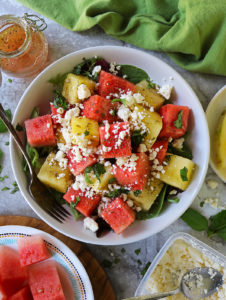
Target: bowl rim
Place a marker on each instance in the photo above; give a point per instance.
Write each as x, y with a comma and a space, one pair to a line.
132, 238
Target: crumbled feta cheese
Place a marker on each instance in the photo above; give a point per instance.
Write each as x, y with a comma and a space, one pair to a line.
96, 69
138, 97
130, 203
61, 175
127, 163
60, 110
138, 208
212, 184
178, 143
60, 158
90, 224
83, 92
142, 148
113, 68
214, 202
106, 149
165, 91
124, 113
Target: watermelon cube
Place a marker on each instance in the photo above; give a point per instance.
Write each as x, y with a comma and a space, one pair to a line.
44, 281
40, 131
133, 172
78, 167
23, 294
174, 119
85, 205
12, 276
32, 249
99, 108
110, 84
160, 146
56, 114
118, 215
115, 140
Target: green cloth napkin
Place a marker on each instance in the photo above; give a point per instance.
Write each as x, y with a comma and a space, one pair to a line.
191, 32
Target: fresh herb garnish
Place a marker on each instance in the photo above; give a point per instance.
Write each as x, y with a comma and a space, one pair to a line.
178, 122
184, 152
60, 101
151, 84
86, 67
15, 189
114, 112
133, 74
86, 173
6, 143
2, 178
173, 199
74, 204
137, 138
117, 192
10, 80
123, 101
183, 173
75, 213
123, 250
58, 196
34, 157
116, 260
112, 180
107, 263
86, 132
2, 125
139, 262
58, 81
35, 112
5, 189
145, 268
195, 220
137, 193
218, 225
137, 251
98, 169
19, 127
202, 203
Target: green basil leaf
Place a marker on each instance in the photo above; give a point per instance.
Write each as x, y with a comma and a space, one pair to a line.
119, 100
74, 204
112, 180
2, 125
137, 193
184, 152
75, 213
98, 169
178, 123
137, 138
86, 173
58, 81
218, 223
60, 101
1, 153
183, 174
117, 192
133, 74
85, 68
195, 220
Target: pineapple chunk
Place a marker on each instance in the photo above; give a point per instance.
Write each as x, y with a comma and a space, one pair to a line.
85, 130
59, 136
71, 84
53, 176
148, 195
177, 169
153, 122
221, 141
104, 179
151, 95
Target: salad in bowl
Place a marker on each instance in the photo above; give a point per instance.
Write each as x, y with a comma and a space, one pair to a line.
113, 147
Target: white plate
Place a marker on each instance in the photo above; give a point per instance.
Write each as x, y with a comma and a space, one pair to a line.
75, 281
39, 90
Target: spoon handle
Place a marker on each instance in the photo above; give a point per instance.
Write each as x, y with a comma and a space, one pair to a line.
15, 136
154, 296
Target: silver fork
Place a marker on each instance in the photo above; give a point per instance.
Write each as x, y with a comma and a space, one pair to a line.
37, 189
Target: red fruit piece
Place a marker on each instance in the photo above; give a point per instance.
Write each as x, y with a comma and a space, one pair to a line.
85, 205
23, 294
160, 146
118, 215
99, 108
40, 131
115, 140
55, 114
44, 281
77, 168
134, 172
32, 249
172, 125
12, 275
111, 84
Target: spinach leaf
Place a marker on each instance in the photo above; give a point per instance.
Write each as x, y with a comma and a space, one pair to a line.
86, 67
2, 125
195, 220
137, 138
218, 224
155, 209
184, 152
60, 101
58, 81
178, 122
183, 174
133, 74
98, 169
117, 192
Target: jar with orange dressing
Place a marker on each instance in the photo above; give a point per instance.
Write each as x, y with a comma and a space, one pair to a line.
23, 46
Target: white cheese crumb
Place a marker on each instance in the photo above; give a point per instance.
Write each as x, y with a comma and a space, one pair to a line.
90, 224
130, 203
60, 110
214, 202
165, 91
178, 143
142, 148
213, 184
83, 92
96, 69
124, 113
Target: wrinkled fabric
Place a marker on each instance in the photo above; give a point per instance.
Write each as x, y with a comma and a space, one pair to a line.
191, 32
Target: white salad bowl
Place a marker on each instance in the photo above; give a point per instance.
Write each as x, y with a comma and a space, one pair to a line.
38, 93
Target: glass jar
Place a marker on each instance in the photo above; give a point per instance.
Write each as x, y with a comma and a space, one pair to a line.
23, 47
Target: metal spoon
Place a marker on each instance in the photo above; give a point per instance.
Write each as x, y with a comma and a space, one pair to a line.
196, 284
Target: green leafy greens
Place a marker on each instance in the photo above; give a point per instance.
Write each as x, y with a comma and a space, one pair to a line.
117, 192
98, 170
183, 173
137, 138
86, 67
178, 123
58, 81
60, 101
123, 101
2, 125
133, 74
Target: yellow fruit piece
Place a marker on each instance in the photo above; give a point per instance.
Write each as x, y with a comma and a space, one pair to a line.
153, 122
178, 172
151, 95
59, 136
52, 175
148, 195
101, 184
222, 141
71, 84
85, 131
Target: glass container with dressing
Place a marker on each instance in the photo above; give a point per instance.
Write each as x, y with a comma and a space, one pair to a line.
23, 46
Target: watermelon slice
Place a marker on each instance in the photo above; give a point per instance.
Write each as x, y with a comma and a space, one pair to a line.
118, 215
85, 205
40, 131
23, 294
135, 173
12, 276
32, 249
160, 146
115, 140
77, 168
110, 84
99, 108
44, 281
55, 114
174, 119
